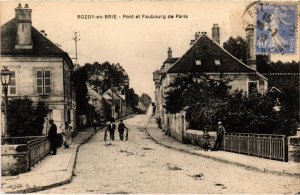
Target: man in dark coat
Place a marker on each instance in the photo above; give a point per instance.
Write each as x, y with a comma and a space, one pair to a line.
111, 128
52, 134
121, 129
220, 135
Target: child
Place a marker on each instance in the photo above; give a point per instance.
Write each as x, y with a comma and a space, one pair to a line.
206, 143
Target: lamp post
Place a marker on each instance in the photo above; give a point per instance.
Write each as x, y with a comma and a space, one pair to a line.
5, 79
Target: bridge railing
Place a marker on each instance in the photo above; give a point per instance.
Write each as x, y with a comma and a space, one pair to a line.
261, 145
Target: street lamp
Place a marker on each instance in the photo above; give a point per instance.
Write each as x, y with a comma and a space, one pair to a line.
5, 79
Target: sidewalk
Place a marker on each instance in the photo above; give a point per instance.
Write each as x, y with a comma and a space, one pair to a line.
248, 162
54, 170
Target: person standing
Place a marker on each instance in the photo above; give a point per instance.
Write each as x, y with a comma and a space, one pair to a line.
121, 129
52, 134
111, 128
206, 140
67, 135
220, 135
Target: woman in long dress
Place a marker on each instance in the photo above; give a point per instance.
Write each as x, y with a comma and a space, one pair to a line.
67, 135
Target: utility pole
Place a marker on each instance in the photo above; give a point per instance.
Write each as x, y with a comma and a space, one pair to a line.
76, 38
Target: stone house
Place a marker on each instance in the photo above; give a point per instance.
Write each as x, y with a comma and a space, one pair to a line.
40, 69
205, 55
116, 104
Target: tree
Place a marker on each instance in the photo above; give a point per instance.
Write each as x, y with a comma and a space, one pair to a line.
25, 118
79, 79
104, 76
202, 95
146, 100
237, 47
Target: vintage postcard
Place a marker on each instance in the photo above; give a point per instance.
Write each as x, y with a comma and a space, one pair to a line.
150, 97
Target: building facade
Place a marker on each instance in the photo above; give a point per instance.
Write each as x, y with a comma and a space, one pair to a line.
40, 69
206, 56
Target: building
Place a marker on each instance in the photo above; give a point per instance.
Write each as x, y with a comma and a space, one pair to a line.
115, 104
205, 55
40, 69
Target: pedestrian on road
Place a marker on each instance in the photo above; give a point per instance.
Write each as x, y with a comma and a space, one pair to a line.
206, 137
53, 137
111, 128
220, 135
67, 135
121, 129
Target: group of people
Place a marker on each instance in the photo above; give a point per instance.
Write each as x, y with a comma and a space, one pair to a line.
111, 129
55, 138
219, 139
67, 135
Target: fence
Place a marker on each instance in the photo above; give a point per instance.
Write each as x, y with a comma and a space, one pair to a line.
38, 149
260, 145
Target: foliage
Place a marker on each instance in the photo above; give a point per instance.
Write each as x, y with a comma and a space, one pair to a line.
132, 98
79, 79
287, 84
237, 47
146, 100
104, 76
101, 77
208, 101
25, 118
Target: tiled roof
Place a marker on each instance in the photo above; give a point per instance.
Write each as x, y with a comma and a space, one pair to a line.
207, 51
42, 46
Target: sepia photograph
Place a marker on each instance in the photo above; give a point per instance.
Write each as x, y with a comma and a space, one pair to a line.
150, 97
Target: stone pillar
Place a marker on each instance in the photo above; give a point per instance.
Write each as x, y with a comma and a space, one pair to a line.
293, 148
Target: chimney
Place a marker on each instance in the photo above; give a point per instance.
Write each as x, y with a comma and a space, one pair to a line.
192, 42
23, 20
197, 35
251, 57
216, 33
170, 53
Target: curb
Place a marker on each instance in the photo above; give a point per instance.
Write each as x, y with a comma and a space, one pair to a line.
248, 167
69, 172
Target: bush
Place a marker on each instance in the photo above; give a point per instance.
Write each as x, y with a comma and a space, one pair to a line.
24, 118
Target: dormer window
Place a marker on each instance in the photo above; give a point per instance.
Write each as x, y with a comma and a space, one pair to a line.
217, 62
198, 62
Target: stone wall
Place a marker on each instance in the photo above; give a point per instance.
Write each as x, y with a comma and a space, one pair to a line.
14, 159
195, 137
293, 144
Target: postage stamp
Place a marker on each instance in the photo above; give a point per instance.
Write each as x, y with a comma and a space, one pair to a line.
276, 29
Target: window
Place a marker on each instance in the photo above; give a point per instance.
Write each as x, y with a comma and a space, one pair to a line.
43, 82
198, 62
12, 84
252, 87
217, 62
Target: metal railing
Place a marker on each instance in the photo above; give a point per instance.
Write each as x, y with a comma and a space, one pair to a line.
261, 145
38, 149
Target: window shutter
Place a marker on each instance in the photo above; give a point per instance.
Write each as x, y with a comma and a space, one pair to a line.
47, 82
39, 82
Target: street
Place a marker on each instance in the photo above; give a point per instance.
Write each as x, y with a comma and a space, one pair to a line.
139, 165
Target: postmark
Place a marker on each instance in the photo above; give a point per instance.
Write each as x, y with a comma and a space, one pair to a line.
276, 28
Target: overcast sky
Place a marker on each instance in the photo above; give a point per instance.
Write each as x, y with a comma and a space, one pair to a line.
140, 45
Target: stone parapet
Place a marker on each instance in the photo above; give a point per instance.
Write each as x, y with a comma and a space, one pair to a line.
14, 159
195, 137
